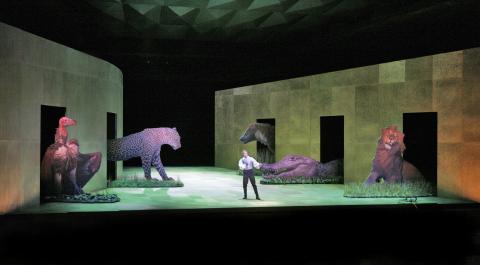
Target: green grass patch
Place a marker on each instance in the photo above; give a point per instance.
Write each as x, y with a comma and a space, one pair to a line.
145, 183
389, 190
301, 180
85, 198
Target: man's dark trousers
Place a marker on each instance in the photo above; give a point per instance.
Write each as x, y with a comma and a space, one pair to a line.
249, 175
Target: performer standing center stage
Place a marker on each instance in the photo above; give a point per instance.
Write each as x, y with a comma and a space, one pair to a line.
246, 164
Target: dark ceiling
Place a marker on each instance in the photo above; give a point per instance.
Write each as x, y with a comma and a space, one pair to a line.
222, 20
175, 53
190, 40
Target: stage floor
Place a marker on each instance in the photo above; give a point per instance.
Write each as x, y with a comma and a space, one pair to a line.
211, 187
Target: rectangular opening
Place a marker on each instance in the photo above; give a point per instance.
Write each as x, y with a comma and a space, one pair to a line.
420, 131
48, 126
265, 154
111, 134
331, 138
49, 116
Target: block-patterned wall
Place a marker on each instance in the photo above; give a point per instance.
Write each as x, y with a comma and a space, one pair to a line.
370, 98
36, 71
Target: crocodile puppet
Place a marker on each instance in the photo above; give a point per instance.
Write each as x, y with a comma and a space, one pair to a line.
146, 145
292, 166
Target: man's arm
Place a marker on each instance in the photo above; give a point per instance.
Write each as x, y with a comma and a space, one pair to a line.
256, 164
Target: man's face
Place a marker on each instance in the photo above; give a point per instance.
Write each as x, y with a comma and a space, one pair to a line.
244, 153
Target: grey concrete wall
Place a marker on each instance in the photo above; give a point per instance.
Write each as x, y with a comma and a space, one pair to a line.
36, 71
370, 98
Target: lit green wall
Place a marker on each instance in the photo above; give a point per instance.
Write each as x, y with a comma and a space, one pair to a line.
36, 71
370, 98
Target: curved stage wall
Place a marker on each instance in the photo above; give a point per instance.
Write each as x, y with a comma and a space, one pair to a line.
34, 72
370, 98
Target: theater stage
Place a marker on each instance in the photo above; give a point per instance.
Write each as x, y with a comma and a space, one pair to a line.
211, 187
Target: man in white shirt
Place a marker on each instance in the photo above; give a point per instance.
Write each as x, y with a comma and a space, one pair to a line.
246, 164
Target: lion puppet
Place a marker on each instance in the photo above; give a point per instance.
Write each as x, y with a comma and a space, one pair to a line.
388, 164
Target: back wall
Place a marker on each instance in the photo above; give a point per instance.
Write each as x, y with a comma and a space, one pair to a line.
370, 98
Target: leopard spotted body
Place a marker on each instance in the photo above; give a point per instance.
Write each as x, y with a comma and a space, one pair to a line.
146, 145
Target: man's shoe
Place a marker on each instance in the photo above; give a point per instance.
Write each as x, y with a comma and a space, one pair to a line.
244, 198
258, 198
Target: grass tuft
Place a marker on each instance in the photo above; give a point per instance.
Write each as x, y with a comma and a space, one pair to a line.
144, 183
388, 190
85, 198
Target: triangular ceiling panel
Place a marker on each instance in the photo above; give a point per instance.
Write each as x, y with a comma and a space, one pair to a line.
112, 8
310, 5
116, 11
212, 20
231, 20
155, 14
181, 10
143, 2
136, 20
208, 15
273, 20
142, 8
191, 16
346, 6
242, 17
187, 3
169, 17
204, 16
216, 3
271, 5
224, 4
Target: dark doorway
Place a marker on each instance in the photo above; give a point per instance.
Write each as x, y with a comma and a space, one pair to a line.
420, 131
264, 154
331, 138
48, 126
49, 116
111, 134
